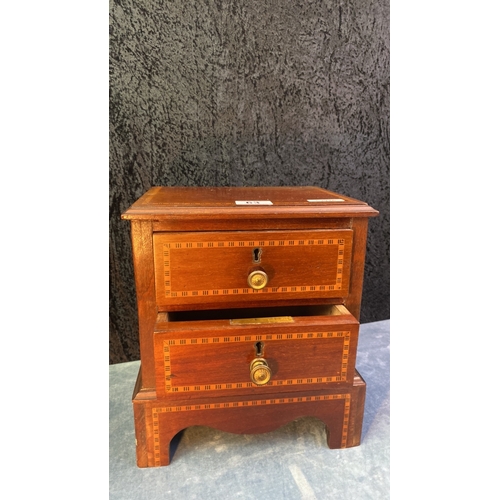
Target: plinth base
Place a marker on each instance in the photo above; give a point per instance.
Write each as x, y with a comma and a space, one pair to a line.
158, 421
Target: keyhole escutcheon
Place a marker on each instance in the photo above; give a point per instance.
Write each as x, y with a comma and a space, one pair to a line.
259, 349
257, 254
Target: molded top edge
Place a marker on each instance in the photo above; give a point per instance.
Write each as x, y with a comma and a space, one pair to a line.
185, 202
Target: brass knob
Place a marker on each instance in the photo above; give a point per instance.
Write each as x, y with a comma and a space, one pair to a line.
260, 373
257, 279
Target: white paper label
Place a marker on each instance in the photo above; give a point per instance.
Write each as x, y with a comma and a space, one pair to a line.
326, 200
253, 202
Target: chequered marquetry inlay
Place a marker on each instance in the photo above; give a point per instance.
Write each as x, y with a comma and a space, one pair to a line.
245, 404
168, 344
170, 247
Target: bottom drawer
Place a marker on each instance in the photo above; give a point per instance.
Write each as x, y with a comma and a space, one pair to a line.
259, 355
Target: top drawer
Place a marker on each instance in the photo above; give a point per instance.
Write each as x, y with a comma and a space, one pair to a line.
233, 267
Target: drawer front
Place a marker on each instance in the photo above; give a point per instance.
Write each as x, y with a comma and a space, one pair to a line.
214, 267
300, 353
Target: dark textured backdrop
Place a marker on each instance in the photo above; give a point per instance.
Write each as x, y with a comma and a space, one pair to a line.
247, 93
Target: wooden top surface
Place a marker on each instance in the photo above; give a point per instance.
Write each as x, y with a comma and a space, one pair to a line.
231, 202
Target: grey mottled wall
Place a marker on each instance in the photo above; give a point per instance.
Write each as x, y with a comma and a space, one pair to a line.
247, 92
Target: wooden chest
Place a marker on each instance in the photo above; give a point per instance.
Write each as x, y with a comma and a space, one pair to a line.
248, 303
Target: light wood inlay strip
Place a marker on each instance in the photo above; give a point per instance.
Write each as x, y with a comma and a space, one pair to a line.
169, 246
246, 404
169, 343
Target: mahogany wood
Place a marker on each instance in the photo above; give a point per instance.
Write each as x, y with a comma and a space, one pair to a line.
142, 248
341, 410
182, 203
193, 249
249, 224
211, 358
353, 300
195, 268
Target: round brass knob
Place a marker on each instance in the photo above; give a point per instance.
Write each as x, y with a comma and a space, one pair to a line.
260, 373
257, 279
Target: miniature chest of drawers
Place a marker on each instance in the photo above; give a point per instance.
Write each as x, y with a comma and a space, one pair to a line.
248, 304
